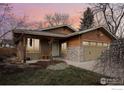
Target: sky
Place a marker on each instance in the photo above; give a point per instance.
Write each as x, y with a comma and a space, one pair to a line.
37, 11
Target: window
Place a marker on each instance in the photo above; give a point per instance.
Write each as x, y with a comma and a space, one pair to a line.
93, 43
85, 43
32, 45
99, 44
64, 46
36, 45
63, 49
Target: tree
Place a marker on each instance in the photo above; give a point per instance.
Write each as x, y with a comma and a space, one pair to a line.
40, 25
112, 15
111, 60
4, 17
87, 20
9, 22
57, 19
12, 24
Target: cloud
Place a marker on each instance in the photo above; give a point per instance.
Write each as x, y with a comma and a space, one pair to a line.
36, 12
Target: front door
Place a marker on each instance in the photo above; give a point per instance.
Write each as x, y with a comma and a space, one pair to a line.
45, 49
55, 48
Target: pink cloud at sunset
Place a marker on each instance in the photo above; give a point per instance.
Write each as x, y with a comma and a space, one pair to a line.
37, 11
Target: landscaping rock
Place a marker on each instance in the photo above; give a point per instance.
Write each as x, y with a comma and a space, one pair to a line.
59, 66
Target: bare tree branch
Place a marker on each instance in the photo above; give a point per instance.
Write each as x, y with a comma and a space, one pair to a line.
57, 19
111, 15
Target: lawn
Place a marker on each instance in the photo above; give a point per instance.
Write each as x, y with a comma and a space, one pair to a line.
68, 76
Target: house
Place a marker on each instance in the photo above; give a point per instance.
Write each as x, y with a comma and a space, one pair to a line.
62, 41
6, 43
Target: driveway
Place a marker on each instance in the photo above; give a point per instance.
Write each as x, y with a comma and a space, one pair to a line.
88, 65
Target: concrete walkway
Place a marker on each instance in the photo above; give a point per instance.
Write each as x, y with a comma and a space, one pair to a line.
35, 61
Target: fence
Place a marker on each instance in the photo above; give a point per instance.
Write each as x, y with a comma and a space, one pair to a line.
7, 51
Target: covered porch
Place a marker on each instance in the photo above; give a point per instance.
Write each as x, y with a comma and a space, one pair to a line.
42, 48
38, 47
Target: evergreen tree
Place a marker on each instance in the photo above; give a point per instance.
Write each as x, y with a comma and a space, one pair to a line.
87, 19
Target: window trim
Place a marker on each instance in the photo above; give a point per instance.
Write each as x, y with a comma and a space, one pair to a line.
86, 43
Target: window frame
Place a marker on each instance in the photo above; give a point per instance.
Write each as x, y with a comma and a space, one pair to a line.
85, 43
99, 44
93, 43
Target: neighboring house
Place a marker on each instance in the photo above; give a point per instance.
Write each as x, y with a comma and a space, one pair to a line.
6, 43
62, 41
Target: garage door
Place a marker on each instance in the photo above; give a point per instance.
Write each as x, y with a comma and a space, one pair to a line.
92, 52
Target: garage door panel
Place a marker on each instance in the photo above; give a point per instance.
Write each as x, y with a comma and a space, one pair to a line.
92, 52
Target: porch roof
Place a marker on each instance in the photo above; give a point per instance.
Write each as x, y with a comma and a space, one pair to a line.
38, 33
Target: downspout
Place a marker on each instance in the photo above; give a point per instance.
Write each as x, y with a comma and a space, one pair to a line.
51, 42
80, 48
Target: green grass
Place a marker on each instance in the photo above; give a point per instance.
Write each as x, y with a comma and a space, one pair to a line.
69, 76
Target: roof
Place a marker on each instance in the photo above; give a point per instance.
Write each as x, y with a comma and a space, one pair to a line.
36, 32
91, 29
60, 26
43, 33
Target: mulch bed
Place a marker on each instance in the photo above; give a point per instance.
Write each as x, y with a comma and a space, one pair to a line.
17, 68
10, 69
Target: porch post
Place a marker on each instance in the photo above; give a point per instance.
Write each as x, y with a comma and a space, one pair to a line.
24, 49
50, 43
21, 50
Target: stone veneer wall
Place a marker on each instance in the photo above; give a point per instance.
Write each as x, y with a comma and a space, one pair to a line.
81, 54
73, 54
